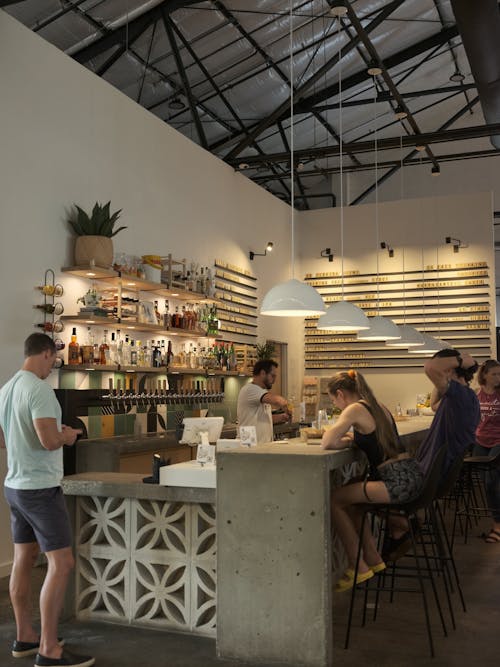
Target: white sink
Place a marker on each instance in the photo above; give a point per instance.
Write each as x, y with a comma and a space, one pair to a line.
188, 473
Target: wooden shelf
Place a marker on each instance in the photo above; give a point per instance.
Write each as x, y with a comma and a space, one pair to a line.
130, 325
133, 283
162, 370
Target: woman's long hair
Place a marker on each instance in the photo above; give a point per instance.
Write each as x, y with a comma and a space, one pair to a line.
353, 382
485, 367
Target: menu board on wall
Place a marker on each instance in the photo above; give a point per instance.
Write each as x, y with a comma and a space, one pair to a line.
236, 291
449, 301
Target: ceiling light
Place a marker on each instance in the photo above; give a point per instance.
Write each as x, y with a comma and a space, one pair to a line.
374, 70
176, 103
243, 165
342, 316
420, 147
338, 10
400, 113
435, 171
327, 253
431, 345
410, 337
380, 328
292, 298
457, 77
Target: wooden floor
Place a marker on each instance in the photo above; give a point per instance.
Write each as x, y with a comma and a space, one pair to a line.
397, 638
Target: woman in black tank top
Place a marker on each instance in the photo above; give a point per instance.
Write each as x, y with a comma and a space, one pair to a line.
364, 423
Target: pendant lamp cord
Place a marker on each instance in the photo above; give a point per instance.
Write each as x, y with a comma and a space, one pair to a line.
341, 165
376, 188
402, 197
292, 174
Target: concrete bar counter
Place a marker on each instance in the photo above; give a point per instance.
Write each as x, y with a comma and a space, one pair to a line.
146, 554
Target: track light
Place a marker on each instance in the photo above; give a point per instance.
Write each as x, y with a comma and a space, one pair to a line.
338, 9
457, 243
400, 113
269, 248
243, 165
457, 77
176, 103
386, 246
374, 70
327, 252
435, 171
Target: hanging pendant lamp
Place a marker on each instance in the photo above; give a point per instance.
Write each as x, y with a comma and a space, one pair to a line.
381, 328
431, 345
410, 337
342, 315
292, 298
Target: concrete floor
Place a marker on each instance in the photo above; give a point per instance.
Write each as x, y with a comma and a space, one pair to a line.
397, 638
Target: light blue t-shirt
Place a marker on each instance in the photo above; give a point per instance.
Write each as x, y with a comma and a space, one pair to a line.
24, 398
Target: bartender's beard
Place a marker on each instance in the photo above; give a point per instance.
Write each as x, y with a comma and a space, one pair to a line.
267, 384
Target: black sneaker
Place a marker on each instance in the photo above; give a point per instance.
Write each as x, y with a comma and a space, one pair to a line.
23, 649
67, 659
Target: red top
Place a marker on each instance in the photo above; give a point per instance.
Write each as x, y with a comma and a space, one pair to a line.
488, 431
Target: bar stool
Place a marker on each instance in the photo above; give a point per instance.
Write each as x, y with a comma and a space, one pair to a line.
475, 468
423, 566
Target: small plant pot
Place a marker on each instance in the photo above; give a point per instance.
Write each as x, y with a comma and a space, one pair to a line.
94, 250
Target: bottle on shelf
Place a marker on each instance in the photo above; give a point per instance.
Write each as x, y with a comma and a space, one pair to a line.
104, 349
157, 313
166, 316
113, 350
126, 352
133, 353
73, 350
119, 348
163, 353
141, 359
170, 353
156, 355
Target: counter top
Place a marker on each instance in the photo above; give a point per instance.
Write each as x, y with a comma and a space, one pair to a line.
130, 485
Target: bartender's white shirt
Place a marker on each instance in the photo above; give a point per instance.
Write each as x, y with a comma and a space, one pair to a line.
252, 412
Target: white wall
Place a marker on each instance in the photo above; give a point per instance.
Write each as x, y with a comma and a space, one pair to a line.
408, 224
67, 136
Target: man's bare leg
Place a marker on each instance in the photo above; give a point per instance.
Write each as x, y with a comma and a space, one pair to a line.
25, 556
60, 564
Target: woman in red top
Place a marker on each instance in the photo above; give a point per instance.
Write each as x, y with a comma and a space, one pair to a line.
488, 438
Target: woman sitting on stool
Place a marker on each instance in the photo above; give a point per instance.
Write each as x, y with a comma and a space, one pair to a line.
488, 438
374, 432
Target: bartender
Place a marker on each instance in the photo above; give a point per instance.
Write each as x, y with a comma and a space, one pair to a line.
255, 402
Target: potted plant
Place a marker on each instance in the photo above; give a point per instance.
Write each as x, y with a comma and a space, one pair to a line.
265, 351
93, 245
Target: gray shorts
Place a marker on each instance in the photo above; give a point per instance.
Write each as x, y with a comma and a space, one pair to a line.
39, 515
402, 478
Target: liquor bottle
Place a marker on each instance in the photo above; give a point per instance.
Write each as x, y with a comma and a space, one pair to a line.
201, 284
73, 350
141, 359
208, 282
104, 349
176, 318
126, 352
163, 353
156, 356
113, 350
133, 353
183, 322
119, 348
170, 353
157, 313
166, 316
232, 358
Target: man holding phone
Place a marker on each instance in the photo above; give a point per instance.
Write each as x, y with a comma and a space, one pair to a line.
31, 430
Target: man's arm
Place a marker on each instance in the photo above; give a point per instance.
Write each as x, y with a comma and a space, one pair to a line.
2, 439
438, 370
49, 436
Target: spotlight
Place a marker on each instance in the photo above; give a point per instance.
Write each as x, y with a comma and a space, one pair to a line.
457, 243
176, 103
400, 113
327, 252
457, 77
269, 247
386, 246
435, 171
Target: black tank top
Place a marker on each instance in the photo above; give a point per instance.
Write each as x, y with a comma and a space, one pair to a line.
369, 444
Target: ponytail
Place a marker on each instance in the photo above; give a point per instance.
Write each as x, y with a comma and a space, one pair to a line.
353, 382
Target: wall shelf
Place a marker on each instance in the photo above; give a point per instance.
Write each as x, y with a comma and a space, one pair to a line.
162, 370
130, 325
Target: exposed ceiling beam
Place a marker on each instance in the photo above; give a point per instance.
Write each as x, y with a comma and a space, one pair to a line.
389, 143
128, 31
283, 109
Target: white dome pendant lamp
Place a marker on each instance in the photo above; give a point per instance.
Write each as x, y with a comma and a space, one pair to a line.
431, 344
342, 315
410, 337
381, 328
292, 298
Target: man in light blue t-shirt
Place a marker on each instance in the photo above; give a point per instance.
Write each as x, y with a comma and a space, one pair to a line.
31, 430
